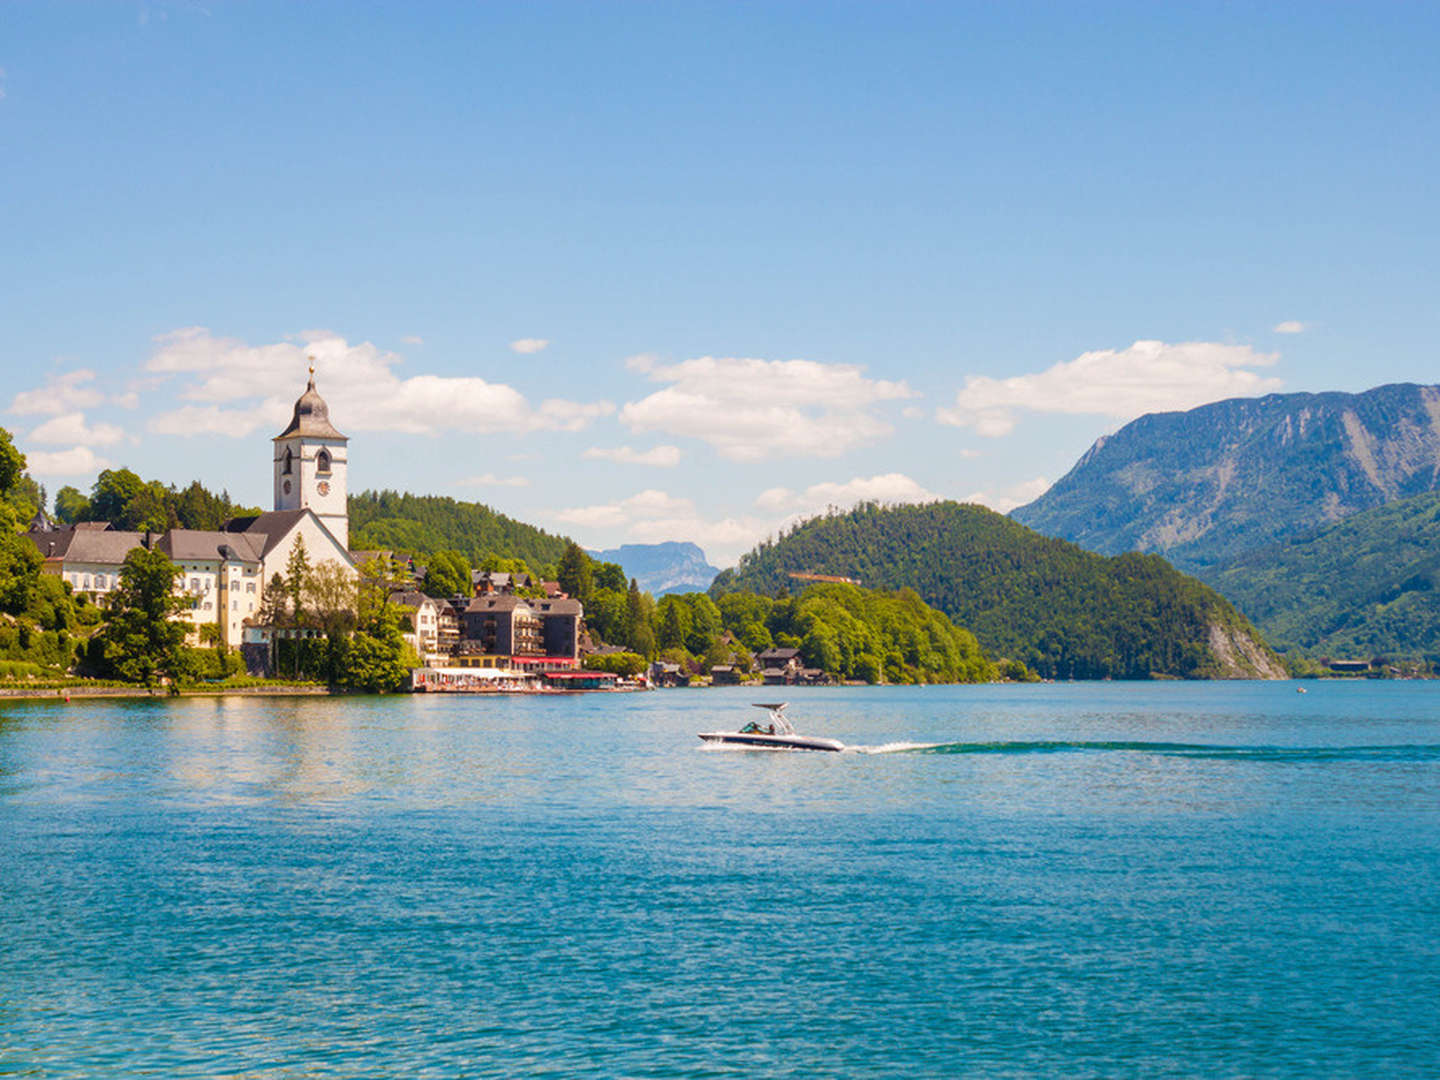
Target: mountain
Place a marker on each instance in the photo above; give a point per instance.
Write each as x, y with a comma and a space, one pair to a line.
1202, 487
421, 524
663, 568
1064, 611
1369, 586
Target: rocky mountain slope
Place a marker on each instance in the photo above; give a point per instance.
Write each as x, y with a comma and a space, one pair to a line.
1204, 486
1064, 611
663, 568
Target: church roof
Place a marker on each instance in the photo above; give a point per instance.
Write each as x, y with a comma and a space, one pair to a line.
312, 416
200, 544
273, 525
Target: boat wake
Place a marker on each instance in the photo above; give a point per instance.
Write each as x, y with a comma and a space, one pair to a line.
1416, 752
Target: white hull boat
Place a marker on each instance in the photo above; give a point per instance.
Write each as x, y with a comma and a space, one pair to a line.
776, 734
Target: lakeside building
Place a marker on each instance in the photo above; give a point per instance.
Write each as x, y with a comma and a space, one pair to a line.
224, 572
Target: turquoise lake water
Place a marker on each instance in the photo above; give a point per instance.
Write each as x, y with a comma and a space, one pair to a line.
1210, 880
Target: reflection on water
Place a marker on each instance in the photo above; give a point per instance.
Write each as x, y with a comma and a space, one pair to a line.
1056, 880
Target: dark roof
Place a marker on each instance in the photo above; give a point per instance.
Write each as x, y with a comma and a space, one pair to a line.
411, 598
106, 546
559, 606
312, 416
205, 544
273, 525
779, 654
496, 603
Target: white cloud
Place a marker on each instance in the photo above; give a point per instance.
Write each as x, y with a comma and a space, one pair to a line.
77, 461
888, 488
751, 410
529, 345
238, 388
413, 339
1008, 499
60, 394
652, 516
1291, 326
128, 400
71, 428
491, 480
664, 457
1149, 376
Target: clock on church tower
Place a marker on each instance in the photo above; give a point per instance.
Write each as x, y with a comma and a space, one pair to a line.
310, 462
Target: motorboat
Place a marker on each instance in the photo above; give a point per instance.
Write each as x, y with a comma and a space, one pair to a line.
776, 733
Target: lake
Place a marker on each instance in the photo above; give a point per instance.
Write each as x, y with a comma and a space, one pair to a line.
1217, 880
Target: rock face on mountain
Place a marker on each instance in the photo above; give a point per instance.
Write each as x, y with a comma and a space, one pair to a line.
663, 568
1202, 487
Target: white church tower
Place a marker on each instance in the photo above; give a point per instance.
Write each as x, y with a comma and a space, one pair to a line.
310, 459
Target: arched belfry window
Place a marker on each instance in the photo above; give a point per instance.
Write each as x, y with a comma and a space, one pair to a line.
322, 463
289, 462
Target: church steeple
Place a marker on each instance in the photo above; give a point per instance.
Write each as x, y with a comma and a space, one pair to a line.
310, 463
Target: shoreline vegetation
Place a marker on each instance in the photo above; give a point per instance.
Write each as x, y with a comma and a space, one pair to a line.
942, 594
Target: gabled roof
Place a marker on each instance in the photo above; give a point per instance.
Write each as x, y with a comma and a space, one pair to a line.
410, 599
273, 525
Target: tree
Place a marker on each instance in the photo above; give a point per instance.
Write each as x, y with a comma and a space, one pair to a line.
625, 663
112, 494
297, 574
20, 564
674, 623
448, 574
140, 641
70, 505
639, 634
576, 575
331, 596
26, 497
12, 462
609, 575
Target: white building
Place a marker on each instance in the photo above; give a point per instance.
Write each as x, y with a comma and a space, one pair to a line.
223, 573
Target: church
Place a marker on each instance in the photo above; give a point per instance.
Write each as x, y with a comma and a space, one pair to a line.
223, 573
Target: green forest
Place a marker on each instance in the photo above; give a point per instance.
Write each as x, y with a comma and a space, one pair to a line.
1368, 586
853, 634
422, 524
1065, 612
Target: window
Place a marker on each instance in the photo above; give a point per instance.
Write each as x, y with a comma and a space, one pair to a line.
194, 584
207, 605
234, 605
322, 463
87, 582
289, 462
250, 586
99, 581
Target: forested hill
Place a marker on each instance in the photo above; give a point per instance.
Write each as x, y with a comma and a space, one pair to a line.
1369, 586
1204, 486
1064, 611
423, 524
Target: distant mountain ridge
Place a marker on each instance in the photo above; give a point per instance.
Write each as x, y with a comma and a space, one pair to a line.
670, 567
1063, 611
1204, 486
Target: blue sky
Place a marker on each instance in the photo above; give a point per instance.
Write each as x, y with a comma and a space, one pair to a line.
779, 256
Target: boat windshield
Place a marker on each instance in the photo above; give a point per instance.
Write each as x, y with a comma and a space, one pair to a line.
777, 724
